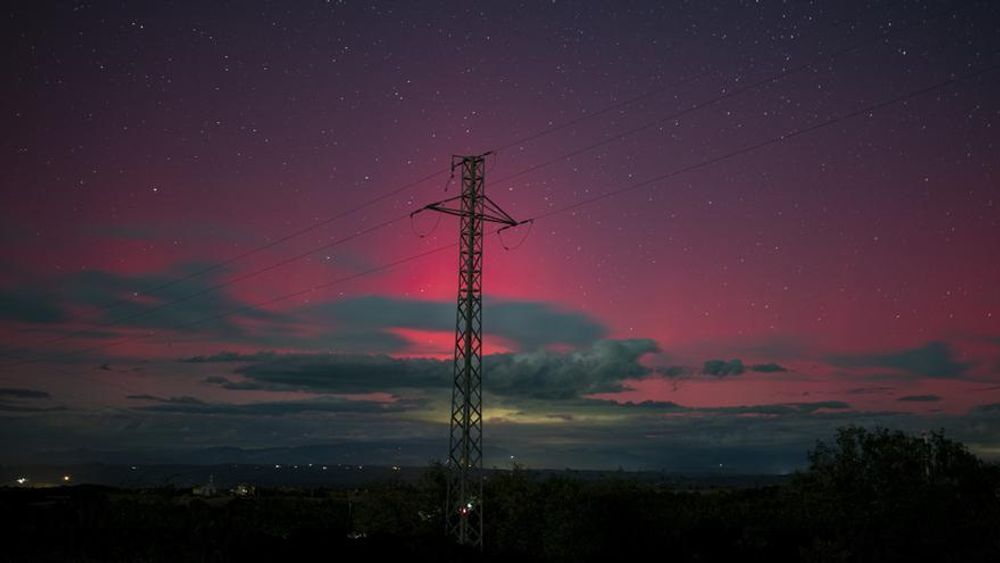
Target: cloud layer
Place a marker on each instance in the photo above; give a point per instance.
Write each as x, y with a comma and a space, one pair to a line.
540, 374
934, 359
530, 325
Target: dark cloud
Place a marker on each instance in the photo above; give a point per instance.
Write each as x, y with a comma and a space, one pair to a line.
782, 408
769, 367
225, 356
20, 393
530, 325
195, 301
200, 303
656, 405
119, 299
550, 375
344, 373
283, 408
29, 305
920, 398
673, 371
722, 368
144, 397
766, 409
770, 346
533, 324
183, 400
18, 407
541, 374
870, 390
20, 400
934, 359
226, 383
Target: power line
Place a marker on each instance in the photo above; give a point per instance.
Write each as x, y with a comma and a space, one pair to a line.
400, 189
255, 250
294, 234
654, 92
774, 140
582, 118
733, 93
404, 187
708, 162
310, 228
237, 279
250, 307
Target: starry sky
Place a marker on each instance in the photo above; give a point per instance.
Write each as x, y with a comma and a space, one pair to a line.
754, 222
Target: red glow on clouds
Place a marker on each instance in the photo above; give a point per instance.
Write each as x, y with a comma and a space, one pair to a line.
441, 344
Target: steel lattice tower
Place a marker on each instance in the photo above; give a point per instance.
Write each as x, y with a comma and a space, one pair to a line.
464, 508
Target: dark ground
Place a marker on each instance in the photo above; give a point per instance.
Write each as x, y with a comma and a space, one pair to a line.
867, 496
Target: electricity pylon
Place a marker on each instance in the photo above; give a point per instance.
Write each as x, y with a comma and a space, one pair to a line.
464, 508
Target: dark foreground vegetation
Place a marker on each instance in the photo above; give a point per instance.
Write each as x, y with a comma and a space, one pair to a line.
866, 496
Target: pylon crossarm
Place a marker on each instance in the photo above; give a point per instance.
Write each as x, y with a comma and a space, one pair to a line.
496, 219
498, 212
439, 206
446, 210
501, 217
515, 224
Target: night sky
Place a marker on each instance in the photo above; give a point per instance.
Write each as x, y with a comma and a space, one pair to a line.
803, 230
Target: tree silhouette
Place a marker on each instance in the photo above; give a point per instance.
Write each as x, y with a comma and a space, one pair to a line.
881, 495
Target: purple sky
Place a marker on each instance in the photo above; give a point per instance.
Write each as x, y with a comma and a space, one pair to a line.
778, 259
